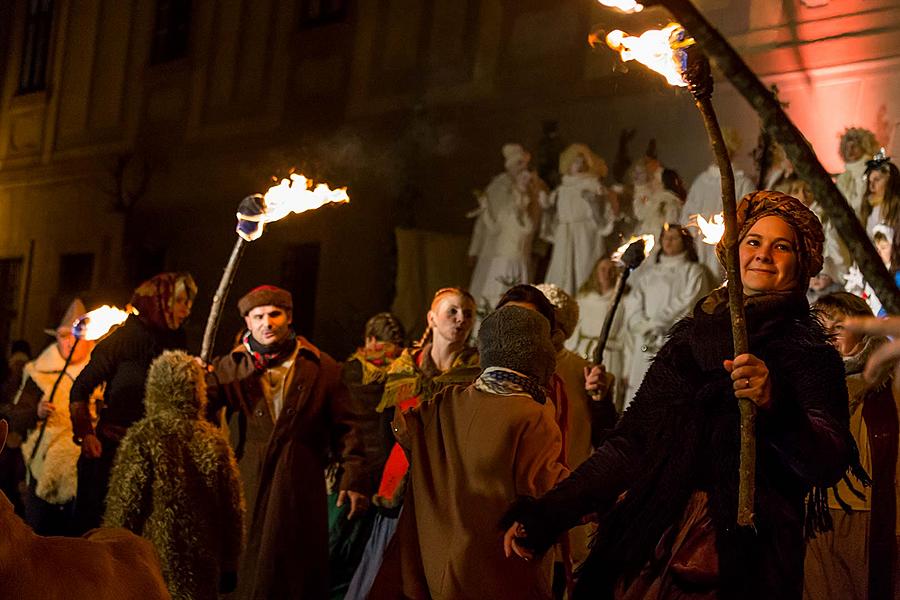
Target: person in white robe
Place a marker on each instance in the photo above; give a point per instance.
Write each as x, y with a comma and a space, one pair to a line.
581, 218
506, 220
835, 251
857, 146
663, 204
705, 198
595, 298
664, 289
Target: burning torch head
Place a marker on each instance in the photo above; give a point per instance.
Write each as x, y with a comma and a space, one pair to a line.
251, 206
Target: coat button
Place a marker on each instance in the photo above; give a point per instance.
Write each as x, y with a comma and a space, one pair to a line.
290, 412
259, 412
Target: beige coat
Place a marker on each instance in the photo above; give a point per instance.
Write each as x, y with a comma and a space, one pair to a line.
472, 454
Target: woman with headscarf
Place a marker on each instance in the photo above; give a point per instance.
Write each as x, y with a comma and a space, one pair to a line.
120, 361
665, 481
441, 358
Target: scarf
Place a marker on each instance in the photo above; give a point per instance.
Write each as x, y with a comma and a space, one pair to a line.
375, 362
506, 382
154, 299
273, 354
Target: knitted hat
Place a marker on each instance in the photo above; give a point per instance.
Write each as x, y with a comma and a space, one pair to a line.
565, 308
265, 295
519, 339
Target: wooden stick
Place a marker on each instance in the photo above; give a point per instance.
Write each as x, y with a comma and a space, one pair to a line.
698, 76
215, 311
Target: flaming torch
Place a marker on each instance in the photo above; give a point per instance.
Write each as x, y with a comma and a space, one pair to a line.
631, 254
672, 53
295, 194
88, 327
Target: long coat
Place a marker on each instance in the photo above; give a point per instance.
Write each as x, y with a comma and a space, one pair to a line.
472, 453
282, 465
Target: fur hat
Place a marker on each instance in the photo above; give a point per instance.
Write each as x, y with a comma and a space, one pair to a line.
175, 382
265, 295
76, 309
565, 308
519, 339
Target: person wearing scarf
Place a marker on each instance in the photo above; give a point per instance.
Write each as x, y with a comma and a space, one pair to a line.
120, 361
473, 449
287, 412
664, 484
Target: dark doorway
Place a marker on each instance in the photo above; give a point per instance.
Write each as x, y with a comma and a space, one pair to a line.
300, 275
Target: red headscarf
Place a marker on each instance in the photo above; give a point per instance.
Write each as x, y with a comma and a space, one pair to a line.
154, 299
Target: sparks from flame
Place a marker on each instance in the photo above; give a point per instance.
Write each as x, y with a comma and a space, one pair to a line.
656, 48
97, 323
712, 230
649, 241
626, 6
295, 194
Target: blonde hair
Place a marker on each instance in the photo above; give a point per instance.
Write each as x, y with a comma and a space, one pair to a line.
595, 164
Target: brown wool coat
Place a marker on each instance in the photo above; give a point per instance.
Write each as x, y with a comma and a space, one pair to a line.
282, 468
472, 454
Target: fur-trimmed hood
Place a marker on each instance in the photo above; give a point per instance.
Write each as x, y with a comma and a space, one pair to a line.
175, 384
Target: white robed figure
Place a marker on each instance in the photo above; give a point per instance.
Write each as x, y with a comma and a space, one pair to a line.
705, 198
506, 221
664, 289
857, 146
580, 218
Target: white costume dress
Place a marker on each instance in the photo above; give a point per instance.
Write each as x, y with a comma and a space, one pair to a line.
705, 198
593, 308
582, 220
501, 239
662, 292
852, 184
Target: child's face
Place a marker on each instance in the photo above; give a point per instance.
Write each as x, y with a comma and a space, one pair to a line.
884, 251
844, 340
820, 282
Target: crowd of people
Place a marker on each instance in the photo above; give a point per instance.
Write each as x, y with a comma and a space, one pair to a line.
491, 457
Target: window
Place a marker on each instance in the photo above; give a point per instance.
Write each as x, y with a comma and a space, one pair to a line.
36, 46
76, 272
172, 30
10, 284
321, 12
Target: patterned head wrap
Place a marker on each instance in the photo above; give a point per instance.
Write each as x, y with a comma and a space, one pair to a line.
155, 298
806, 225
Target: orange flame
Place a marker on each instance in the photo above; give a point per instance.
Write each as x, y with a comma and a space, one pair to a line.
97, 323
626, 6
654, 48
712, 230
649, 241
294, 195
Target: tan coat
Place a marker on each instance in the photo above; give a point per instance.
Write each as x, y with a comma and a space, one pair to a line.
472, 454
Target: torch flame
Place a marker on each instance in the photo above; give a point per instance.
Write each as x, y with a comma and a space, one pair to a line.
649, 240
712, 230
626, 6
97, 323
294, 195
658, 49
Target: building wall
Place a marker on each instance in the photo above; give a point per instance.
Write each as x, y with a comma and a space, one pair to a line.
406, 102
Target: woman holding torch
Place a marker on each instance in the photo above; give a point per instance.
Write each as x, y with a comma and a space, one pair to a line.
121, 361
665, 481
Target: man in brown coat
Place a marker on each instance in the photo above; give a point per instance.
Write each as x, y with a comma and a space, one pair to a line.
286, 409
472, 451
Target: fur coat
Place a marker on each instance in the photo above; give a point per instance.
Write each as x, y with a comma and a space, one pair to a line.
681, 435
175, 482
